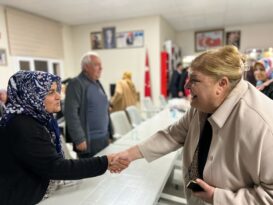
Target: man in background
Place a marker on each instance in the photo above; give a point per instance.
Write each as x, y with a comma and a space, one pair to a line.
86, 109
175, 80
184, 92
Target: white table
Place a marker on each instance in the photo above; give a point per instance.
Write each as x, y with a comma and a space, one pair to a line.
149, 127
140, 184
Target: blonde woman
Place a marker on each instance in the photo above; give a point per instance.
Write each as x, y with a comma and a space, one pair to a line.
125, 93
227, 134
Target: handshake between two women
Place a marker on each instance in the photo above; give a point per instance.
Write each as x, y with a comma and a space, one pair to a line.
119, 161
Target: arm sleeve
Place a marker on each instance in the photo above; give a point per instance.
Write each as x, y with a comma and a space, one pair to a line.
167, 140
33, 148
72, 108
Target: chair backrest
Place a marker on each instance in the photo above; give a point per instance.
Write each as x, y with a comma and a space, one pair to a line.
120, 123
134, 115
65, 149
163, 101
149, 107
148, 104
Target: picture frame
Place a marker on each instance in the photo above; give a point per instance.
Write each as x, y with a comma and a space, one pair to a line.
3, 57
130, 39
233, 38
96, 40
205, 40
109, 37
256, 53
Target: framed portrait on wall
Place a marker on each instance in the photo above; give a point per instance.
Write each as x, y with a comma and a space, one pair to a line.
109, 37
205, 40
96, 40
233, 38
130, 39
256, 53
3, 57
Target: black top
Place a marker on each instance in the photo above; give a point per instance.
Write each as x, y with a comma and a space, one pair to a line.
174, 84
204, 145
29, 160
182, 83
268, 90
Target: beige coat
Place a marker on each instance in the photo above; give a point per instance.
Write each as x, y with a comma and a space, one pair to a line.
240, 158
125, 95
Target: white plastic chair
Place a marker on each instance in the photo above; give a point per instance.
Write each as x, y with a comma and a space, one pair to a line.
163, 101
134, 115
149, 107
68, 149
120, 123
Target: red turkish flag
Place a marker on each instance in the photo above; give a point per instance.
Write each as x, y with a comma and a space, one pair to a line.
147, 86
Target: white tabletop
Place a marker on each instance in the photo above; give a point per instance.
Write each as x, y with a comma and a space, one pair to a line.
141, 183
149, 127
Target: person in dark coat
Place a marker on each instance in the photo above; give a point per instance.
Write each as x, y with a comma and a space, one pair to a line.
175, 80
86, 109
184, 92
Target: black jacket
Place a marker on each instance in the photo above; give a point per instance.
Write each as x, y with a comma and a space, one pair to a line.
29, 160
182, 83
174, 84
268, 91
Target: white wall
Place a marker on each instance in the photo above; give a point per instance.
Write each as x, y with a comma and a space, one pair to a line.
166, 32
69, 54
116, 61
185, 40
255, 36
8, 70
76, 41
252, 36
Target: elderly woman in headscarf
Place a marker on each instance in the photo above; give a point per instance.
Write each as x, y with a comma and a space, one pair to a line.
30, 141
263, 75
125, 93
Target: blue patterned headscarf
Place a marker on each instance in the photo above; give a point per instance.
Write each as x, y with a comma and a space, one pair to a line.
26, 94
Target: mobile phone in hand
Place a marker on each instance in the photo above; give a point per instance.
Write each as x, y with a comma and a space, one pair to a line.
194, 186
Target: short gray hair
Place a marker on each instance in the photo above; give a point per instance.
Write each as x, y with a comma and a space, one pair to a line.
86, 58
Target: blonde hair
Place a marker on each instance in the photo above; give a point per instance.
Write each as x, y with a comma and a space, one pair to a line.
225, 61
127, 75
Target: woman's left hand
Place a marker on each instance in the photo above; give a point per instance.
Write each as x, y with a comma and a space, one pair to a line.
207, 194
